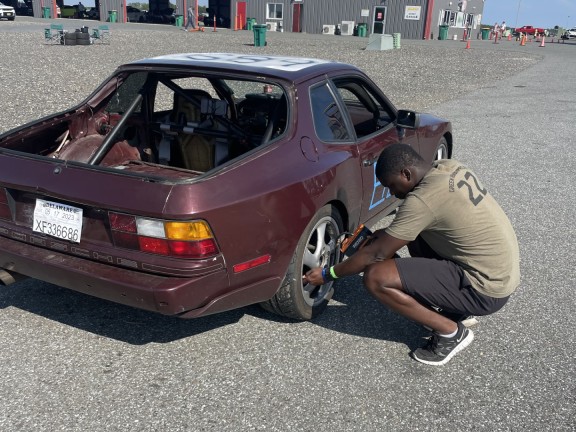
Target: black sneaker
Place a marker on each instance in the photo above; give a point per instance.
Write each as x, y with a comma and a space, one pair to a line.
439, 350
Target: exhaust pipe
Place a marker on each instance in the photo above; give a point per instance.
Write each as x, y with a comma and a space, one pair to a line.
7, 278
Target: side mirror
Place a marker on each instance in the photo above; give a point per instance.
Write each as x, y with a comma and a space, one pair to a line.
407, 119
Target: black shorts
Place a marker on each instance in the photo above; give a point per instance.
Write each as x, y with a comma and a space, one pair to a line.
442, 285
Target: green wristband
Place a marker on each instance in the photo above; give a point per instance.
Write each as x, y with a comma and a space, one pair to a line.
333, 273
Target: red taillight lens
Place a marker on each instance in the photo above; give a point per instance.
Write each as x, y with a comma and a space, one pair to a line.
187, 239
195, 249
125, 240
154, 245
122, 222
5, 212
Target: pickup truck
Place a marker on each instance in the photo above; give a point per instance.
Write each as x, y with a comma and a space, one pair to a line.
529, 30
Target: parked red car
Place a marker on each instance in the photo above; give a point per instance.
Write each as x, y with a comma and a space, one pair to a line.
197, 183
529, 30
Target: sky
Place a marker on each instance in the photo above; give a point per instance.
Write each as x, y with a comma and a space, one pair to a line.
537, 13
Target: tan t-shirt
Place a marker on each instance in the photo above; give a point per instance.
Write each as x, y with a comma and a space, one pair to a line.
461, 221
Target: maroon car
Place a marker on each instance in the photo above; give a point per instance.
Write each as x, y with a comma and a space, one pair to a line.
197, 183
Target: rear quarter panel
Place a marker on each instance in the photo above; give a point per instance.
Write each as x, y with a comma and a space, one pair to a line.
430, 131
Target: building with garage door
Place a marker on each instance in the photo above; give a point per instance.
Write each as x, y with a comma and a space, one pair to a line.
413, 19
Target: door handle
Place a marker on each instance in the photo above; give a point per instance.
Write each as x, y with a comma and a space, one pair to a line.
369, 162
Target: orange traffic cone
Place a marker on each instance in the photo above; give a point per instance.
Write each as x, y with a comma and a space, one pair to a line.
523, 41
509, 36
542, 43
467, 44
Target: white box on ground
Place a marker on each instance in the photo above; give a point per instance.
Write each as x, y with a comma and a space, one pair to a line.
380, 42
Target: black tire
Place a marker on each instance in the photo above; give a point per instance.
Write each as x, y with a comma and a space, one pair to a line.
70, 38
83, 42
82, 36
442, 150
318, 247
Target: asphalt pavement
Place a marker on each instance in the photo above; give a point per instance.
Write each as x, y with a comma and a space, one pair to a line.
70, 362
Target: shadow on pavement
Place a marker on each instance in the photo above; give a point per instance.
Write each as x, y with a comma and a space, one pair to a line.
352, 311
104, 318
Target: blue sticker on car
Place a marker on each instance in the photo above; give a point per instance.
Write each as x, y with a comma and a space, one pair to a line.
379, 192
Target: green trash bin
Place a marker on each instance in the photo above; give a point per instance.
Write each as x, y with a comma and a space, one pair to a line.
362, 29
249, 24
443, 34
45, 12
179, 20
485, 33
112, 16
259, 35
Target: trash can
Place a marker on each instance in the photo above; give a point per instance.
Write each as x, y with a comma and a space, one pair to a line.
112, 16
362, 29
443, 33
259, 35
485, 33
250, 23
179, 20
396, 40
46, 12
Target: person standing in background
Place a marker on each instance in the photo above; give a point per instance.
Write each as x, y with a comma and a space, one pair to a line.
191, 19
495, 30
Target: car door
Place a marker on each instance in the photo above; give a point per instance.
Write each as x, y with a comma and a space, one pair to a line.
373, 119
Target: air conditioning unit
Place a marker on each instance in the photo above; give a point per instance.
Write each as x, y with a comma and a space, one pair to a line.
347, 28
271, 26
328, 29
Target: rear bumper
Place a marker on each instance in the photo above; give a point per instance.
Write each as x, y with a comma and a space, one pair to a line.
188, 297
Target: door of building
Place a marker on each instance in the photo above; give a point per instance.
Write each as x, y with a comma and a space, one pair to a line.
297, 17
241, 14
379, 23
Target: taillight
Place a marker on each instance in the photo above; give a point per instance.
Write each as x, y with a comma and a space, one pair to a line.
5, 212
188, 239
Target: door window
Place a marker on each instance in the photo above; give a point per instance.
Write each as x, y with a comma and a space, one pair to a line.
328, 119
368, 112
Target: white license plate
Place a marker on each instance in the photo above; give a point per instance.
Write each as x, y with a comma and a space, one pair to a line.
58, 220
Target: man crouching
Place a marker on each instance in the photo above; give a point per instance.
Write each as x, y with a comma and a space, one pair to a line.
464, 252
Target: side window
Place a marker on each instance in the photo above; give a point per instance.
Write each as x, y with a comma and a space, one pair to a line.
367, 112
164, 100
126, 93
328, 121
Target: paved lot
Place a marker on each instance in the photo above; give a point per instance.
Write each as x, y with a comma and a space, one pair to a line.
74, 363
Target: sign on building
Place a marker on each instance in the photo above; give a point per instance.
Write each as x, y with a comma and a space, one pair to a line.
412, 12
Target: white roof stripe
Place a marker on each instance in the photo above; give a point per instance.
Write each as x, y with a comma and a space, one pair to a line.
258, 61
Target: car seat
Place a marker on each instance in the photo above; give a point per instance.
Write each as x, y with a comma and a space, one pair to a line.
193, 151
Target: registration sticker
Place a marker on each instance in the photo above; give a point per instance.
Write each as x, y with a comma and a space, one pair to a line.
58, 220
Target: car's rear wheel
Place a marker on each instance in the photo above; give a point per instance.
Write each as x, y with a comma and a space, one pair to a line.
318, 247
442, 151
